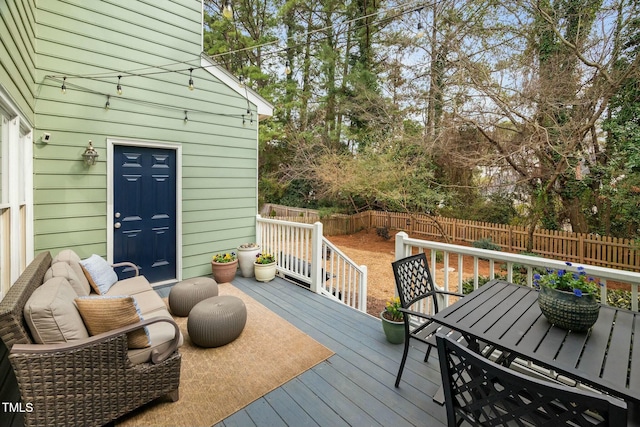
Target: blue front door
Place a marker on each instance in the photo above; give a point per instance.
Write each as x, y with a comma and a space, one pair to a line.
144, 210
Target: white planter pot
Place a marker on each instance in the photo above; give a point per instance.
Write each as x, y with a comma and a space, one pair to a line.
246, 259
265, 272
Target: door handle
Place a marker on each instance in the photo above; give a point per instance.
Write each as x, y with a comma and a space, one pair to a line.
117, 215
117, 225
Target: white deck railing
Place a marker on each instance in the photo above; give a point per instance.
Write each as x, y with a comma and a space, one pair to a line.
405, 246
307, 258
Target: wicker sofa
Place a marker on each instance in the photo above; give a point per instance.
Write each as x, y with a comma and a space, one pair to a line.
94, 380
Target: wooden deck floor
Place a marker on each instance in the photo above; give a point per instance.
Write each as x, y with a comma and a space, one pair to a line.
354, 387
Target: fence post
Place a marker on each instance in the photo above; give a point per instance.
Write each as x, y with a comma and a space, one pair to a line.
400, 251
316, 257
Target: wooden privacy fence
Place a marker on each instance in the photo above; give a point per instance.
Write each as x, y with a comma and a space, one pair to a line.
269, 210
582, 248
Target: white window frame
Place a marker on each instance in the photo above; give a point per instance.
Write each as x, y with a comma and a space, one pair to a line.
16, 206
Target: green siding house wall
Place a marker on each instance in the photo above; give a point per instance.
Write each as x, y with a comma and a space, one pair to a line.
86, 45
17, 53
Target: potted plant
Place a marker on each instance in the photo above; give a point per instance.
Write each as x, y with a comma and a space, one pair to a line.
568, 299
265, 267
247, 253
393, 321
224, 266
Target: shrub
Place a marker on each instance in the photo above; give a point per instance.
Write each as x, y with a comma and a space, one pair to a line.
619, 298
467, 285
486, 243
383, 232
615, 298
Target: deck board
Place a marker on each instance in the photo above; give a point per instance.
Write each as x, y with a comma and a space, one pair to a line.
355, 386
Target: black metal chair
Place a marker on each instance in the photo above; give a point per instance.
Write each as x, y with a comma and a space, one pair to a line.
415, 285
480, 392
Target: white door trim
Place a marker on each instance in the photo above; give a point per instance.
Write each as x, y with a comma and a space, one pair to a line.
111, 142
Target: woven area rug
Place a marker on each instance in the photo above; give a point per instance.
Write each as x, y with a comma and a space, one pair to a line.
216, 382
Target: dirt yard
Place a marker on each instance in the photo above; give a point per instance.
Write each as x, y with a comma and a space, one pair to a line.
367, 248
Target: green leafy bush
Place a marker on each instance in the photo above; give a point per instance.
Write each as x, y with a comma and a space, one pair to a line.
615, 298
467, 285
486, 243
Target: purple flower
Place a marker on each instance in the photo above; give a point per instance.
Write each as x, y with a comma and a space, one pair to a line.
577, 292
568, 263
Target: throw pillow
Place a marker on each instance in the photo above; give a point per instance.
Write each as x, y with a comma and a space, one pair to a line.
105, 313
51, 315
99, 273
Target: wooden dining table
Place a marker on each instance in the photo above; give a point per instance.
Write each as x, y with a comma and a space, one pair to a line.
507, 317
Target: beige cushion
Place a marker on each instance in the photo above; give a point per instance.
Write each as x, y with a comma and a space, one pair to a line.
161, 334
138, 287
70, 257
130, 286
52, 316
66, 255
105, 313
62, 269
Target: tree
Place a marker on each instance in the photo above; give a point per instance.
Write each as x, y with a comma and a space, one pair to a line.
544, 81
518, 88
618, 193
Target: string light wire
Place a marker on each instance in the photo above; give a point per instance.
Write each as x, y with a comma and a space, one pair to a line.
405, 8
80, 88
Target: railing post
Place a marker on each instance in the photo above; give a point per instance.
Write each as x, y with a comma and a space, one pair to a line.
316, 257
362, 293
400, 251
259, 230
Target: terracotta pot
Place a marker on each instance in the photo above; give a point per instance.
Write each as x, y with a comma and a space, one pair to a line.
265, 272
224, 272
568, 311
246, 259
394, 331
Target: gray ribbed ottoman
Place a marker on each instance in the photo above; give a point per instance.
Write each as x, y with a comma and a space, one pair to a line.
186, 294
217, 321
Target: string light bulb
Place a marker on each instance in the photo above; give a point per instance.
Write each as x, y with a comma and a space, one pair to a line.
107, 105
119, 86
63, 88
191, 87
420, 32
287, 68
227, 10
186, 116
